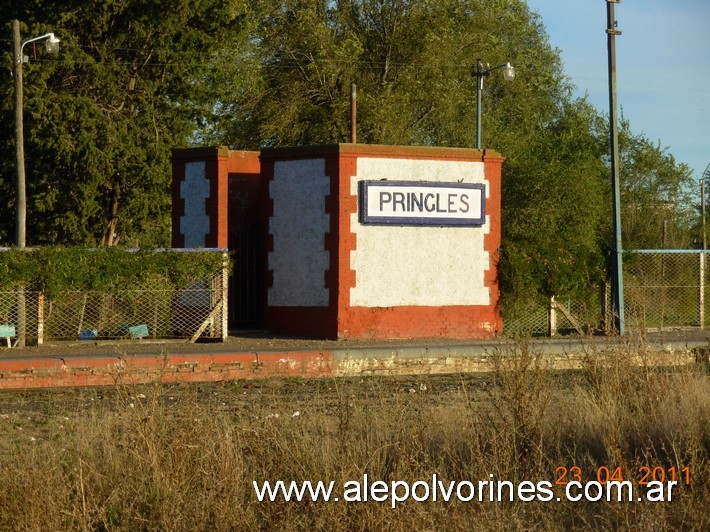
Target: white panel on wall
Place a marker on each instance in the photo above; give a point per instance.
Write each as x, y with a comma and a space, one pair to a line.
195, 190
419, 266
298, 225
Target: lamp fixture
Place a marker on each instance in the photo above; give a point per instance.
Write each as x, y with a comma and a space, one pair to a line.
481, 72
51, 44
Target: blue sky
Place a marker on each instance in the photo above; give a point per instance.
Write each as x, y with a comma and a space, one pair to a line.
663, 66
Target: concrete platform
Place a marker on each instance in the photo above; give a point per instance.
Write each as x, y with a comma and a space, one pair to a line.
140, 362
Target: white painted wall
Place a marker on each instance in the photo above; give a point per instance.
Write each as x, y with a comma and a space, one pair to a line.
195, 190
419, 266
299, 225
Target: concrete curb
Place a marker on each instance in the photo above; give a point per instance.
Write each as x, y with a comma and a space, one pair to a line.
32, 372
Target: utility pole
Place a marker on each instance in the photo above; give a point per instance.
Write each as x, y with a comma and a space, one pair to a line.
617, 279
21, 196
21, 207
353, 113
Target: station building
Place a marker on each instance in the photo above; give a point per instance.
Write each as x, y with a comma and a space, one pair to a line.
349, 240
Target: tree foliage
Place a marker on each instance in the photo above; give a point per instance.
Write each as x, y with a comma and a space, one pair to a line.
412, 63
54, 270
101, 118
656, 199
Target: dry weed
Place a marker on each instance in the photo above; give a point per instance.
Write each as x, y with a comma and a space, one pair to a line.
184, 458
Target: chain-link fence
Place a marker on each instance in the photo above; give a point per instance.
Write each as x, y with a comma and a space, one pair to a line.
558, 315
665, 289
199, 310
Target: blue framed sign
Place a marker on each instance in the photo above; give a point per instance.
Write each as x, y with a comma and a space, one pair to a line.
422, 203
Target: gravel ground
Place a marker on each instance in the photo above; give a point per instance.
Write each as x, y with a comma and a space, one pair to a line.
47, 414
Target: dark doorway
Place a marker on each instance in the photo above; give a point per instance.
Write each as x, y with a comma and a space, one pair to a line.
246, 307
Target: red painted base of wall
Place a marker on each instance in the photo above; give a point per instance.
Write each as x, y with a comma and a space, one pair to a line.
56, 372
420, 322
24, 373
316, 322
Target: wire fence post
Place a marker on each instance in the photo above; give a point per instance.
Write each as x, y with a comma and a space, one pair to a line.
40, 318
552, 318
21, 316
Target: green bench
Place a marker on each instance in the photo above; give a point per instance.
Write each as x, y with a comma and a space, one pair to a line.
138, 331
7, 331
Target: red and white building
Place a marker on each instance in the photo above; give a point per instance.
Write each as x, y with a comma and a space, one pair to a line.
349, 240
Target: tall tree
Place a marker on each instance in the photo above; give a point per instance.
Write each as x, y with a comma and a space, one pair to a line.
557, 203
101, 118
412, 62
656, 199
136, 78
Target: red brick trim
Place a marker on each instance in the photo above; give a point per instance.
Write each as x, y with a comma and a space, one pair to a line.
347, 241
330, 241
244, 162
178, 239
492, 240
53, 372
267, 211
339, 319
318, 322
377, 150
216, 206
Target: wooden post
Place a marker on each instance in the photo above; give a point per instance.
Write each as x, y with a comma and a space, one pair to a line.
552, 318
155, 317
21, 296
81, 315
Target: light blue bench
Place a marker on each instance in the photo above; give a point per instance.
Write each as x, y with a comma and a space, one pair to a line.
7, 331
138, 331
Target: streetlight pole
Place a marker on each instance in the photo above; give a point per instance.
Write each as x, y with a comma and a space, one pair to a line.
703, 180
21, 207
52, 46
617, 279
480, 73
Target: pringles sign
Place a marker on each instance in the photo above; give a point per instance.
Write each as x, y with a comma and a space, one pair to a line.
422, 203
